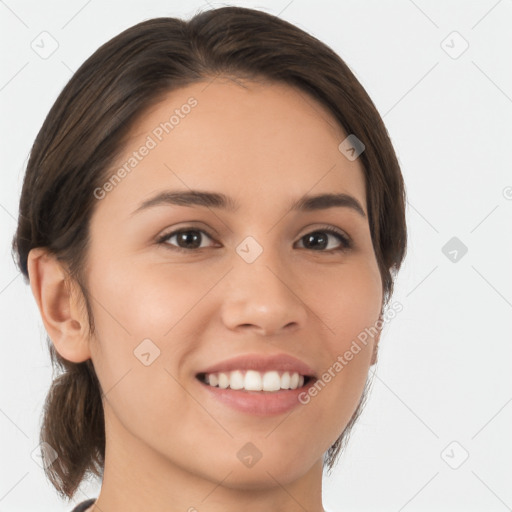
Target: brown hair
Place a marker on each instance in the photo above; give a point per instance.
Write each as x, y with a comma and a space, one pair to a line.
86, 129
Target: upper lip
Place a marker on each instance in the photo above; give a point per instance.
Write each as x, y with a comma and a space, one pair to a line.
262, 363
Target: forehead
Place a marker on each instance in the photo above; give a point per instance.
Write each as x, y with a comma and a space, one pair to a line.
252, 141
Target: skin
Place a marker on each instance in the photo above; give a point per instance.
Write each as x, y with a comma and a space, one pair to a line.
169, 445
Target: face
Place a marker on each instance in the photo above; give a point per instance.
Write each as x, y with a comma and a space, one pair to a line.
256, 278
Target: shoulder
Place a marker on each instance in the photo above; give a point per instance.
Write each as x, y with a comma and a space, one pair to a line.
84, 505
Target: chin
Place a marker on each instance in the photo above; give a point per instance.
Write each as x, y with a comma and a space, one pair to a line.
264, 473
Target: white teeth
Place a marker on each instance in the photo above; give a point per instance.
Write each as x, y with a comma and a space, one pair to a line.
252, 380
223, 381
271, 381
236, 380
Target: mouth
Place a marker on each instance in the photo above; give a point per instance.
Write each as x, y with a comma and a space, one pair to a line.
257, 384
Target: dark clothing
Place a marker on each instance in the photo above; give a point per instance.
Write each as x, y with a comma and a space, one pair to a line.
84, 505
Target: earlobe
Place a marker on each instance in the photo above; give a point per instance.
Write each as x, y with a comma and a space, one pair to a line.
57, 306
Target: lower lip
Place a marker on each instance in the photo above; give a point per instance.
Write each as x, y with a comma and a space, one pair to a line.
260, 403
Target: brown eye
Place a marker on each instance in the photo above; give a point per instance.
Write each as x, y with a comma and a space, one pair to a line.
186, 239
318, 240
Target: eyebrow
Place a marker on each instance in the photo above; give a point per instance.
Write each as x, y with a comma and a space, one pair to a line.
306, 203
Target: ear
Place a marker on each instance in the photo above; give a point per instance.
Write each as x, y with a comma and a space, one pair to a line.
376, 340
63, 320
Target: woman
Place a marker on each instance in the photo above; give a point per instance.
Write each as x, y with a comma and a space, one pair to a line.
211, 220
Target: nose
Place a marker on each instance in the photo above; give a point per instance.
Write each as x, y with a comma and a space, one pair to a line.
263, 297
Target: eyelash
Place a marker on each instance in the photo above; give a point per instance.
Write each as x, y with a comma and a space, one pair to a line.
345, 241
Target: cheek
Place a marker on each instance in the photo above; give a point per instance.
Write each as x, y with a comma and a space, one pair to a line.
140, 312
146, 301
347, 303
138, 316
347, 308
350, 311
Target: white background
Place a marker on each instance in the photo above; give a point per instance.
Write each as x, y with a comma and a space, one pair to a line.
444, 372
